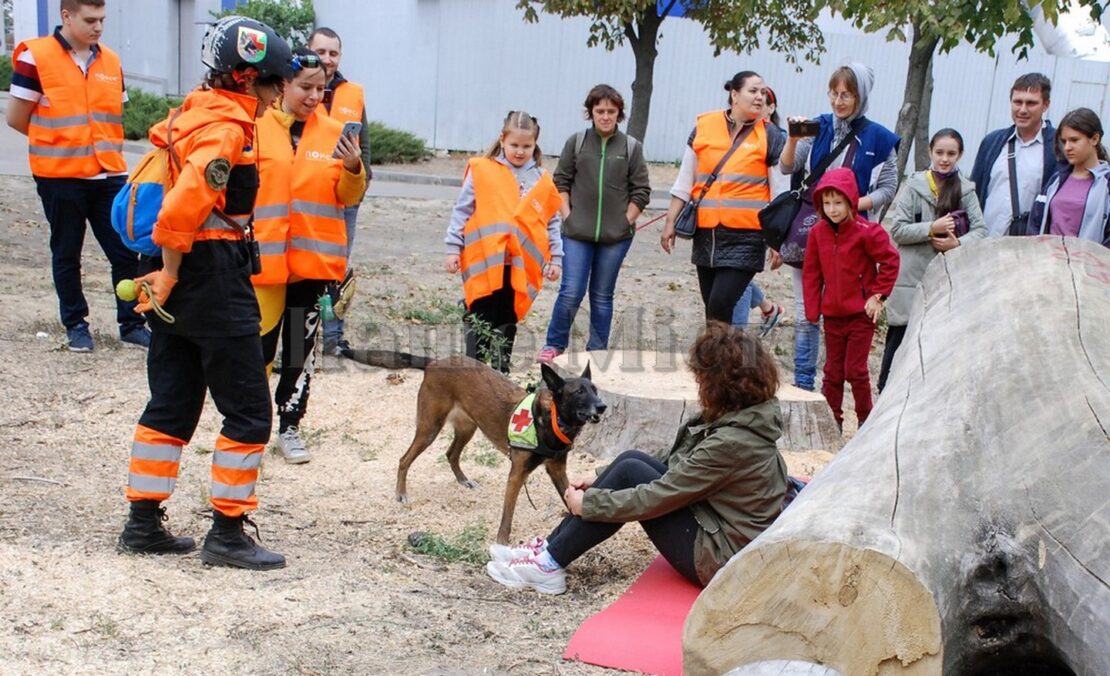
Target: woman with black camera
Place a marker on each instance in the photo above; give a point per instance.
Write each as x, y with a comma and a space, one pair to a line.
935, 211
738, 147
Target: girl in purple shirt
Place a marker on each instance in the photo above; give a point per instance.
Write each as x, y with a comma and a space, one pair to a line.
1076, 202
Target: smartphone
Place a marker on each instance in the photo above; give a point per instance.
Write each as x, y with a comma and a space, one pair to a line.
804, 128
351, 129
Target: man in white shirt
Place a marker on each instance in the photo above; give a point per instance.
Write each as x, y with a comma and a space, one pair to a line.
1030, 141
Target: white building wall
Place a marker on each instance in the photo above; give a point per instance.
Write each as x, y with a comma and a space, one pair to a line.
449, 70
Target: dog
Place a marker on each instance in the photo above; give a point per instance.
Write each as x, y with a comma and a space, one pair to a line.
472, 396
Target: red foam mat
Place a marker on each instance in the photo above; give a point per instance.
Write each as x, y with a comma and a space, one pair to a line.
642, 630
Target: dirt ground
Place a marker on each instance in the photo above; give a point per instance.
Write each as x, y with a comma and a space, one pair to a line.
355, 596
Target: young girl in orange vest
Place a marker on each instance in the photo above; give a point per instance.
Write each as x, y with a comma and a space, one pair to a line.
504, 237
308, 174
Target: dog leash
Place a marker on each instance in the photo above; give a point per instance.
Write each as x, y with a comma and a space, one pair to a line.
654, 220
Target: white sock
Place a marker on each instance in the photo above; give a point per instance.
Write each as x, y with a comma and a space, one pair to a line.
547, 562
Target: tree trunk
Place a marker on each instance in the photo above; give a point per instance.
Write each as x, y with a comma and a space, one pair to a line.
963, 530
917, 74
643, 38
651, 394
921, 157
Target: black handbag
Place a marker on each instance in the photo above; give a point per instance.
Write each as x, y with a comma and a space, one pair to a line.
776, 219
686, 223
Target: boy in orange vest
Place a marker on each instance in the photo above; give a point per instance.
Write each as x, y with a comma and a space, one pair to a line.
345, 101
75, 147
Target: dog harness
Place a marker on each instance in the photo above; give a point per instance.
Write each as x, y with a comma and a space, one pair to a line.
522, 428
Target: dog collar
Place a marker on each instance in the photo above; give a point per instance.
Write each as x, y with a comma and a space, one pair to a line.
555, 425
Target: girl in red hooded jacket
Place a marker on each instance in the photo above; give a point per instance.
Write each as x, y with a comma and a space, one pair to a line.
849, 271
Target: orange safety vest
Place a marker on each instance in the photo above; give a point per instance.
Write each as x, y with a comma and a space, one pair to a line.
317, 246
742, 187
271, 209
80, 134
506, 229
347, 103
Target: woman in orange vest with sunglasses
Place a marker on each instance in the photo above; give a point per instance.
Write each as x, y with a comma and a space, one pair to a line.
728, 247
504, 237
308, 173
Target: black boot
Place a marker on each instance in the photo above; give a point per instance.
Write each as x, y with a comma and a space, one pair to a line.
227, 545
143, 533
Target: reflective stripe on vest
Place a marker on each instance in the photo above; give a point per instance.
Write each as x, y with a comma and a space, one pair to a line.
317, 228
742, 187
506, 229
271, 209
80, 134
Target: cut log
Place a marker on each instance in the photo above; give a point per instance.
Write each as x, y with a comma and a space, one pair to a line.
650, 394
965, 528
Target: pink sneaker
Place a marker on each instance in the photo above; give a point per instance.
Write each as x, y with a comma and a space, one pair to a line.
526, 573
548, 354
506, 553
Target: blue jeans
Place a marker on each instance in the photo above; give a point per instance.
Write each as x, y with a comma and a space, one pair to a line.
68, 204
807, 340
750, 300
333, 329
592, 265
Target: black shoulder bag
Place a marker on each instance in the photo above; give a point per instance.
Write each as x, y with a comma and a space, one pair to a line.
687, 221
776, 219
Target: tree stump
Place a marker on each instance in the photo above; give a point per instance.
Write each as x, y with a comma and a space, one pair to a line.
964, 529
650, 394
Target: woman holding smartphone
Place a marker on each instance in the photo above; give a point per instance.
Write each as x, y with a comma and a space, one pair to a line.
935, 211
871, 154
309, 171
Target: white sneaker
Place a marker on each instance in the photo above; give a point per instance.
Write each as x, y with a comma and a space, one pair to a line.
526, 573
506, 553
292, 447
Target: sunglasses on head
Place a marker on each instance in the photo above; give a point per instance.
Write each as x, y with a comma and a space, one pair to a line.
302, 61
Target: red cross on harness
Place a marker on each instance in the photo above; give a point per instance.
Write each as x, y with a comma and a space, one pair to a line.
521, 420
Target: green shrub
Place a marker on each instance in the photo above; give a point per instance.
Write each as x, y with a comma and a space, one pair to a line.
393, 146
5, 72
292, 20
143, 110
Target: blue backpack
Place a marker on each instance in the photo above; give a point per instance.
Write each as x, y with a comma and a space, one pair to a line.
135, 208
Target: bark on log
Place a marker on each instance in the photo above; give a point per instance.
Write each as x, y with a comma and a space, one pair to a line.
965, 528
650, 394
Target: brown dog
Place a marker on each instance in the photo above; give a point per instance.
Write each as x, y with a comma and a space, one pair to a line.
472, 396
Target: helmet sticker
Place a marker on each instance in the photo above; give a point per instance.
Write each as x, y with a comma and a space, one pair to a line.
251, 44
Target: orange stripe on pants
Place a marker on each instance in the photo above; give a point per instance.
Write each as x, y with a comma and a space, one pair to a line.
155, 461
234, 475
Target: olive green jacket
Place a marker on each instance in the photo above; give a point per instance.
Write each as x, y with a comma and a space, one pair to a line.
729, 472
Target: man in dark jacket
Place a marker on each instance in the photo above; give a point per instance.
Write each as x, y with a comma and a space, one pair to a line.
1030, 140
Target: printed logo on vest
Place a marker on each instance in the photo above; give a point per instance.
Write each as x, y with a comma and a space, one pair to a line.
316, 156
347, 111
104, 77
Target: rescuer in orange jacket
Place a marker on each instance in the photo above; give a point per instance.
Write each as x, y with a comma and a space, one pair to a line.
344, 101
308, 174
202, 278
67, 96
504, 237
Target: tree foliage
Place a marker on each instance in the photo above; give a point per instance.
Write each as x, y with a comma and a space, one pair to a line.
785, 26
294, 20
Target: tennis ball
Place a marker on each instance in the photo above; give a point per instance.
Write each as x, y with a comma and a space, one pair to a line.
126, 290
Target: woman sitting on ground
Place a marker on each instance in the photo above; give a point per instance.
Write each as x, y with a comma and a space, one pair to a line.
718, 487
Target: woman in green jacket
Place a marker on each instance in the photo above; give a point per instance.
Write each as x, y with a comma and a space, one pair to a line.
719, 486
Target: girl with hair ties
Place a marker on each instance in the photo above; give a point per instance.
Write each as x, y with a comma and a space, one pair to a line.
720, 485
936, 211
1076, 202
504, 237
